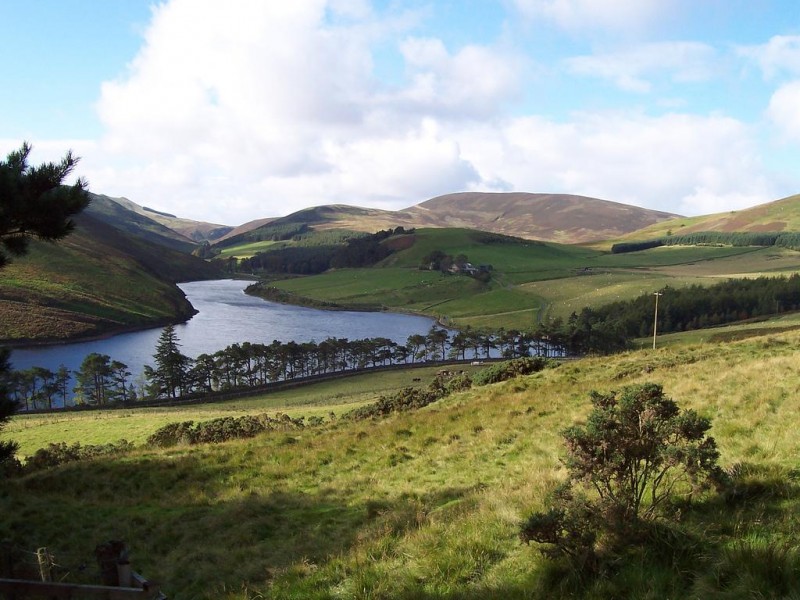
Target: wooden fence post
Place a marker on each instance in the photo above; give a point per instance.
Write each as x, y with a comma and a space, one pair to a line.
45, 560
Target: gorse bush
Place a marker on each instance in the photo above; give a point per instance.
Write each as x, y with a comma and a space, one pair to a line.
62, 453
636, 452
221, 430
446, 383
411, 398
511, 369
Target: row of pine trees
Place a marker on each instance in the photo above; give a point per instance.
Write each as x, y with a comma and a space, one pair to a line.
102, 381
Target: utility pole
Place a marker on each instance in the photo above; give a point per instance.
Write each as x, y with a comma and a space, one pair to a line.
655, 318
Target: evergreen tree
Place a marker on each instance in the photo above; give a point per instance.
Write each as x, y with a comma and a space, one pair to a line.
94, 379
170, 377
7, 408
62, 383
120, 374
33, 203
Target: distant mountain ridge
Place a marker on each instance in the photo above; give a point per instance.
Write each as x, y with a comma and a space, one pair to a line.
175, 232
120, 214
562, 218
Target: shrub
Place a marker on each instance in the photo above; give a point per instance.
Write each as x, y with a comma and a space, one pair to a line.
636, 451
221, 430
511, 369
171, 435
459, 383
409, 398
62, 453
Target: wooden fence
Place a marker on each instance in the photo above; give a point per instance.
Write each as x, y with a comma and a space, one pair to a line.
119, 581
19, 589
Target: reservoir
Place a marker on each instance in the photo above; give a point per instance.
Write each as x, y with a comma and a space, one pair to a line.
227, 316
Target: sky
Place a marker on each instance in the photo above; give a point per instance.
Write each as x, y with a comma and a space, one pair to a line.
232, 111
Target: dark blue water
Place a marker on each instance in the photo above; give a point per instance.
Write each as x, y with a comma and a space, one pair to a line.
227, 316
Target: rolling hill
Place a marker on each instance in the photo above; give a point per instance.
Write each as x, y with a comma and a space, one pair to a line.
562, 218
424, 504
98, 280
778, 216
112, 212
182, 234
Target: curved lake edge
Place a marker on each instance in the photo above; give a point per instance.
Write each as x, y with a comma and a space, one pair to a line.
105, 332
223, 315
27, 343
262, 289
271, 293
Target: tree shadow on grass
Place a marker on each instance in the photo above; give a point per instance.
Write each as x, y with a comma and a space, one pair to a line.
194, 525
204, 528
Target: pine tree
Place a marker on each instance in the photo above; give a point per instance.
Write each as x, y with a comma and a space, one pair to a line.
171, 374
8, 407
94, 379
33, 203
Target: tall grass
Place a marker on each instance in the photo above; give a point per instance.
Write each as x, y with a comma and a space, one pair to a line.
427, 504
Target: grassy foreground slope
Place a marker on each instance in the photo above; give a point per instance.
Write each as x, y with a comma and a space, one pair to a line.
427, 504
96, 280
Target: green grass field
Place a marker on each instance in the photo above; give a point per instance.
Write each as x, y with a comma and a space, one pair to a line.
427, 504
32, 432
530, 281
246, 250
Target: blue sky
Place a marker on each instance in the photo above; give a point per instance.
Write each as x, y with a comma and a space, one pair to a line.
233, 111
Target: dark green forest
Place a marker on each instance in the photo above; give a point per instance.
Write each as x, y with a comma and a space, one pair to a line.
613, 326
715, 238
319, 253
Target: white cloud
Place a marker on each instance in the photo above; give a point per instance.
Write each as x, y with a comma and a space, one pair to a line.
632, 68
611, 15
781, 54
279, 102
259, 109
676, 163
419, 164
784, 110
474, 82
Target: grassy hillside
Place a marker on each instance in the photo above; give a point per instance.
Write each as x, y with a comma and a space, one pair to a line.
136, 425
129, 214
427, 504
780, 215
563, 218
139, 224
530, 280
95, 281
559, 218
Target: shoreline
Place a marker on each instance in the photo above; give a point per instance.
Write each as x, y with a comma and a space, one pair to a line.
273, 294
25, 344
279, 297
